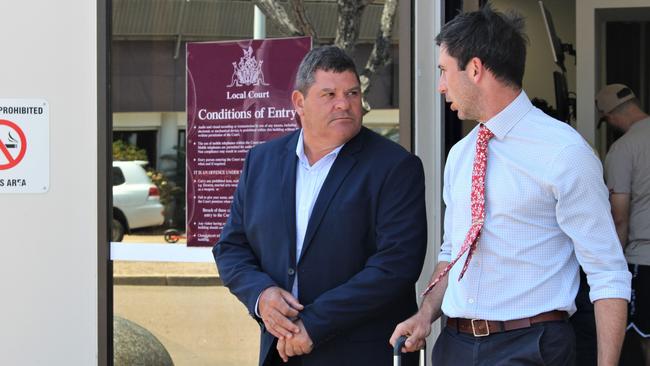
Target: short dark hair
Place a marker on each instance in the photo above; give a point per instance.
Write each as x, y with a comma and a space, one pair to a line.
326, 58
497, 39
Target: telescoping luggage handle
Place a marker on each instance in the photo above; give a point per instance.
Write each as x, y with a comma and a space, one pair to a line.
397, 353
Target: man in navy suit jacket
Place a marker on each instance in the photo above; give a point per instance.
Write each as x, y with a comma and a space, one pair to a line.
327, 230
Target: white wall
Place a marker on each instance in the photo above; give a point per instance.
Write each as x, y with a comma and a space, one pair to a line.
538, 78
48, 264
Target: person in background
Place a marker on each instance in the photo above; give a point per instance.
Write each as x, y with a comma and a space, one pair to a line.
627, 173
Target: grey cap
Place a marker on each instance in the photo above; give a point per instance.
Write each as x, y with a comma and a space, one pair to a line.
612, 96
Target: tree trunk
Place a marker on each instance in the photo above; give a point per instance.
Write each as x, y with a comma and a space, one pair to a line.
300, 15
380, 54
349, 22
276, 13
347, 30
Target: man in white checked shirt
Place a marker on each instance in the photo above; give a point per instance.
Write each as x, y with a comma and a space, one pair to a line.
526, 205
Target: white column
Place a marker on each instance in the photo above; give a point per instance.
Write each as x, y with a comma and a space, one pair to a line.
48, 264
428, 129
586, 76
259, 24
167, 140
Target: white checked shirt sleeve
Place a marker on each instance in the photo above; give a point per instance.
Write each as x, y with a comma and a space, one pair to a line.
583, 213
445, 248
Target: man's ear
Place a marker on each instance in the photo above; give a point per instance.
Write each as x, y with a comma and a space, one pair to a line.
475, 69
298, 101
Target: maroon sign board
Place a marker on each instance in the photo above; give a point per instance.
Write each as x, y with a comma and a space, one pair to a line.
238, 95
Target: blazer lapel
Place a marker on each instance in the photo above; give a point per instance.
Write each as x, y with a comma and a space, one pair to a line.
288, 162
340, 169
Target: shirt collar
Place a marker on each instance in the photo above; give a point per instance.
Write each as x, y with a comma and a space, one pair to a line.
505, 120
300, 150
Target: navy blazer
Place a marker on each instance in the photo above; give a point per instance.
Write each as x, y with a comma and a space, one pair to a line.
363, 250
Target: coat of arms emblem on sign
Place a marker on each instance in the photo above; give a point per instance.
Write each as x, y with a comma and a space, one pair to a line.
248, 71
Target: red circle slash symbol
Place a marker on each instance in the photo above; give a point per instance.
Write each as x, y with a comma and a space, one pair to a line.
12, 160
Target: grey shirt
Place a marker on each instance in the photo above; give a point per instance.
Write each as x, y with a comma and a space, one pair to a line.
627, 170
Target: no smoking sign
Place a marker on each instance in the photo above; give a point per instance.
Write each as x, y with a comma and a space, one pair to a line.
18, 146
24, 146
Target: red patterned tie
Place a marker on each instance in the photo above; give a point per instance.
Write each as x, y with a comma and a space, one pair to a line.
478, 206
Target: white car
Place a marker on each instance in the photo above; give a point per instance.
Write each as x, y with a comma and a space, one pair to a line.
136, 200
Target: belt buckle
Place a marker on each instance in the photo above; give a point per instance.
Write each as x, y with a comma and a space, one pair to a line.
487, 328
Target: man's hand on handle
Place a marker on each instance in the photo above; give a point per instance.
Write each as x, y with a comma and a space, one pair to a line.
278, 308
416, 328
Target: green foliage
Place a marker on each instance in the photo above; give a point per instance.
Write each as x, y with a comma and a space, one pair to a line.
391, 134
167, 189
178, 179
123, 151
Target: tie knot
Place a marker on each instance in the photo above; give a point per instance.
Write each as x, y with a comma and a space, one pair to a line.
484, 133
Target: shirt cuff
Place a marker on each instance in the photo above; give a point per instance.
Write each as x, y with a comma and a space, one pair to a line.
610, 285
257, 309
444, 257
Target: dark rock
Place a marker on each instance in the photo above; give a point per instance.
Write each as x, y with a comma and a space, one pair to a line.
133, 345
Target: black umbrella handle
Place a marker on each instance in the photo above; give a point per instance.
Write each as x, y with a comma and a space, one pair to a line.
397, 352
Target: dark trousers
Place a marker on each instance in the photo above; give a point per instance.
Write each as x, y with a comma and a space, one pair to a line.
584, 326
274, 359
409, 359
550, 344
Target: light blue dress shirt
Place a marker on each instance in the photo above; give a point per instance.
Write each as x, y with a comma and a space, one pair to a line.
547, 209
309, 180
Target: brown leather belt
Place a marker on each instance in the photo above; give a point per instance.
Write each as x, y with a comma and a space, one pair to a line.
482, 328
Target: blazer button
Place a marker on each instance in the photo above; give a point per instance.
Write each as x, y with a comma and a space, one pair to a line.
291, 271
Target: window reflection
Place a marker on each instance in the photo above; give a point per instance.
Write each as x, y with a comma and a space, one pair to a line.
182, 304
